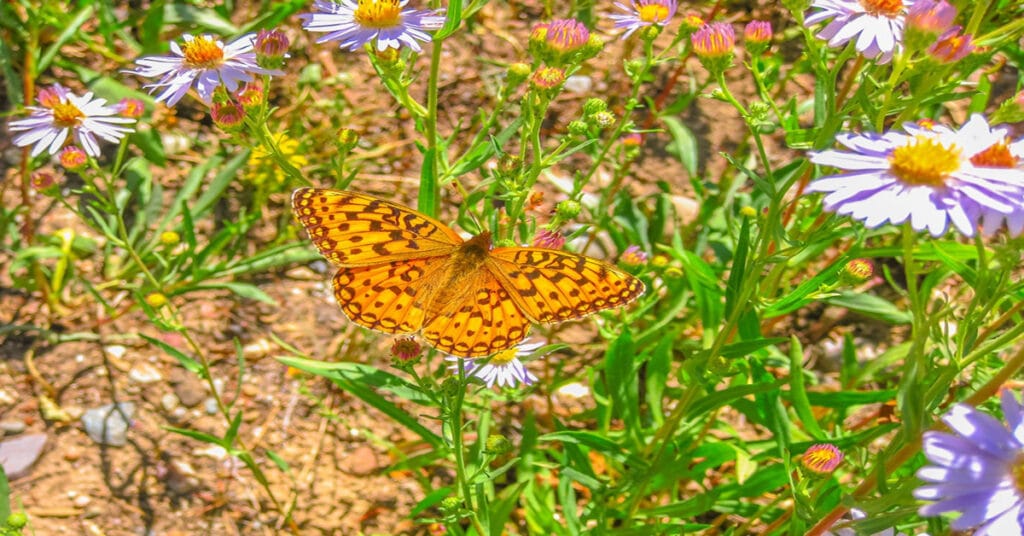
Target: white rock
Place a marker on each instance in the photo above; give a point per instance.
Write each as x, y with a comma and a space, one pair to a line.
116, 350
107, 425
145, 373
575, 390
579, 83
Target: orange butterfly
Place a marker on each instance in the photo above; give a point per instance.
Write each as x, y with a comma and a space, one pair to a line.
401, 271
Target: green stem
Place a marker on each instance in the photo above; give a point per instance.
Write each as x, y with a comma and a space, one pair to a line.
455, 414
430, 191
266, 139
889, 90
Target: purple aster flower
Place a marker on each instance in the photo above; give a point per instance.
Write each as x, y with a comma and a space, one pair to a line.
928, 19
204, 60
978, 470
952, 46
62, 115
876, 24
503, 368
715, 40
643, 13
923, 176
355, 23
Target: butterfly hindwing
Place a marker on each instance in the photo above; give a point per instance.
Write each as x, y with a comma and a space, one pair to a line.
387, 297
482, 321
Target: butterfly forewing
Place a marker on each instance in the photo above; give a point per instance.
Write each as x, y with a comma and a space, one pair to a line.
352, 229
552, 286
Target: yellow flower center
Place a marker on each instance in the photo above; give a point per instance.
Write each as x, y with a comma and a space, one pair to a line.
203, 53
378, 13
1017, 471
888, 8
66, 114
653, 13
503, 357
998, 155
924, 162
822, 458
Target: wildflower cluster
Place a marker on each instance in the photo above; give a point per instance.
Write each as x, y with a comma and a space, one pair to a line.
713, 228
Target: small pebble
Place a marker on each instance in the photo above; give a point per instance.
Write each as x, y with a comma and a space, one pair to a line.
218, 385
108, 426
12, 427
257, 350
216, 452
169, 402
82, 501
116, 350
179, 413
578, 83
17, 455
145, 373
187, 387
250, 390
210, 405
72, 454
5, 398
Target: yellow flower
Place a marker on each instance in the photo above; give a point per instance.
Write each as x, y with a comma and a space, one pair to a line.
263, 171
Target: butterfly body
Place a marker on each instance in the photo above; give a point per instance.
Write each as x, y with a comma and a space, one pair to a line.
400, 272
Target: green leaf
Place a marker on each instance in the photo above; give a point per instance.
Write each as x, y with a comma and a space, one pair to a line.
187, 362
452, 21
5, 495
244, 290
798, 297
149, 142
70, 28
620, 374
197, 435
192, 16
684, 144
593, 441
745, 348
354, 382
798, 393
278, 461
718, 399
846, 399
870, 305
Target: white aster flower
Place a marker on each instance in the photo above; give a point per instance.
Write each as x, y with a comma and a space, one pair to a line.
354, 23
62, 114
876, 24
204, 60
925, 176
987, 147
643, 13
503, 368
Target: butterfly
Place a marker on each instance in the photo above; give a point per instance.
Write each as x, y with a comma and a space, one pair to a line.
403, 272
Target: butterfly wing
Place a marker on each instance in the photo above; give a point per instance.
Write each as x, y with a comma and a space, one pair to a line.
552, 286
482, 321
352, 229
